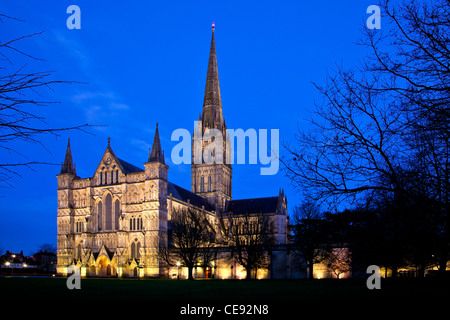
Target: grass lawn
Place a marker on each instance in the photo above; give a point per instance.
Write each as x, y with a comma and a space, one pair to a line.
281, 293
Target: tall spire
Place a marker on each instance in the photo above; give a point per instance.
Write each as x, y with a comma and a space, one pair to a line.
211, 180
212, 104
68, 166
156, 155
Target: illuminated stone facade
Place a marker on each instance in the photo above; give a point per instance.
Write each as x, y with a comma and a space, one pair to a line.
114, 223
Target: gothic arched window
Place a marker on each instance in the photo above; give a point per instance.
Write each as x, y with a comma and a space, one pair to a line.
100, 215
108, 212
79, 226
135, 246
136, 223
133, 250
116, 213
138, 246
79, 251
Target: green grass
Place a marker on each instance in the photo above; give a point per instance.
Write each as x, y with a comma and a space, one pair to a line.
218, 290
286, 299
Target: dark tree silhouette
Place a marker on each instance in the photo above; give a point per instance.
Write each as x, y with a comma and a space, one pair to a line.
191, 241
250, 238
21, 99
310, 237
383, 129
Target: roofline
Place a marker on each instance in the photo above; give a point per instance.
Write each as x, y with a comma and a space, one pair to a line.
253, 198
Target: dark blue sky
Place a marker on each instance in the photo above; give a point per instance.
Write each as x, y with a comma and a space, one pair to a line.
147, 63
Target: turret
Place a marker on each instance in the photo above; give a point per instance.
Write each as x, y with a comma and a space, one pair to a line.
156, 167
68, 171
68, 166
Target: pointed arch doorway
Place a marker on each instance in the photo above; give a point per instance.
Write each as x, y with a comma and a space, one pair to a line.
104, 268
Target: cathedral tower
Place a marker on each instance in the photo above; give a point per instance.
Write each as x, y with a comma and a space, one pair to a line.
65, 218
211, 180
155, 209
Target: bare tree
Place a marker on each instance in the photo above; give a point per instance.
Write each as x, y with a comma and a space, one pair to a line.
250, 238
21, 98
415, 51
207, 254
338, 260
191, 240
309, 235
385, 127
353, 147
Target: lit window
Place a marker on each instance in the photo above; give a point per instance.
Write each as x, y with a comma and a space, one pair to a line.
100, 215
135, 246
108, 212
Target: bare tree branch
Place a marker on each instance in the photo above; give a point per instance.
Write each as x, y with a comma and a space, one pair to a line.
21, 97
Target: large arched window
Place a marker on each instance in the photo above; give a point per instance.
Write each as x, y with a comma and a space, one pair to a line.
108, 212
138, 247
135, 246
116, 213
99, 216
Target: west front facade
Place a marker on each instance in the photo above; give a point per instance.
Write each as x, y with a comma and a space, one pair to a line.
114, 223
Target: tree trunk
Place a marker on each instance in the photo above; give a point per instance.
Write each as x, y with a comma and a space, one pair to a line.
394, 272
249, 274
443, 260
190, 276
310, 270
444, 247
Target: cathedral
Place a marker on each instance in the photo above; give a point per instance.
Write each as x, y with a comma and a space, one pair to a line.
114, 223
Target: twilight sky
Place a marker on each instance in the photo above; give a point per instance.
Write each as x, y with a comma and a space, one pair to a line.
146, 63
